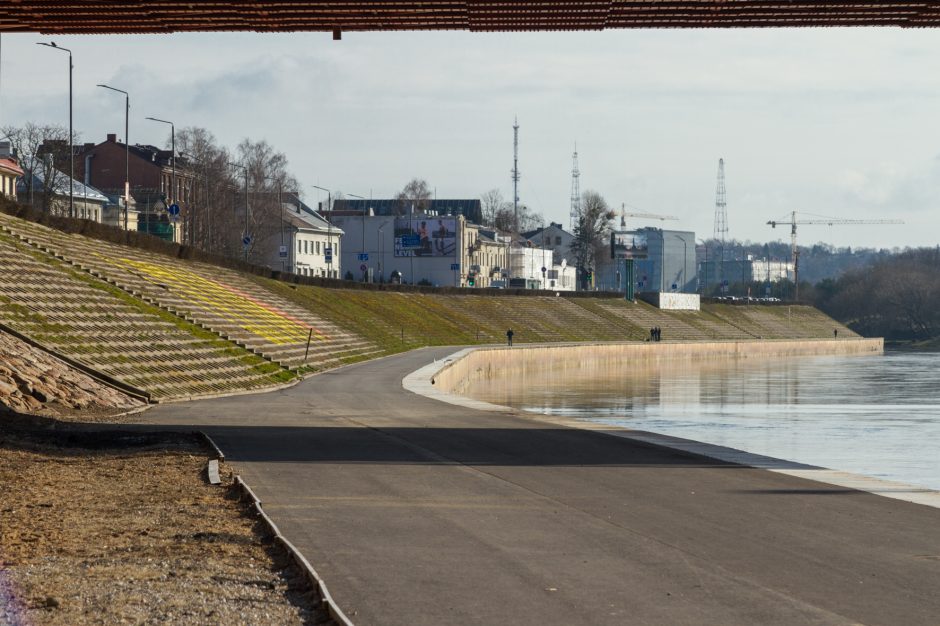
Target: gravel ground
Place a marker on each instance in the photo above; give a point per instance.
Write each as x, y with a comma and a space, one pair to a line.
114, 529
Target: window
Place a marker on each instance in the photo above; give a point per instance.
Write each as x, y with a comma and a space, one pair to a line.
318, 247
305, 246
298, 247
558, 240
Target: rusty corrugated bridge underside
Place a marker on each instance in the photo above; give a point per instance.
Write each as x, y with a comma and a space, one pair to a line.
167, 16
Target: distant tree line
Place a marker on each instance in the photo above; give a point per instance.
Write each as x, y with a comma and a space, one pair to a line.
897, 297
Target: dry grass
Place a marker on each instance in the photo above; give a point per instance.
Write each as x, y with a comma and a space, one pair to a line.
134, 535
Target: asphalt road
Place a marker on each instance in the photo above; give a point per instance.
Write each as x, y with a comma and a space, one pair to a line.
420, 512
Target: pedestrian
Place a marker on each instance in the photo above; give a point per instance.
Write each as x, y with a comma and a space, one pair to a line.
652, 334
835, 333
509, 335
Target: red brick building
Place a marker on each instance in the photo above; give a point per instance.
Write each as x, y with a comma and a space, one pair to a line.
150, 172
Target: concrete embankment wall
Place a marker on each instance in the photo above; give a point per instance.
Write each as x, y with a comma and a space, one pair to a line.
484, 363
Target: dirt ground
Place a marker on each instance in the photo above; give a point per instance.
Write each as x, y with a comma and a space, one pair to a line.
124, 528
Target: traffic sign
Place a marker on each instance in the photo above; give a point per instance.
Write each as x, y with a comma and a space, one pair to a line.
455, 267
328, 254
282, 252
544, 269
363, 267
363, 256
246, 240
173, 209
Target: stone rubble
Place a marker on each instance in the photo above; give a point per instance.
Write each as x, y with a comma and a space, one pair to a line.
32, 381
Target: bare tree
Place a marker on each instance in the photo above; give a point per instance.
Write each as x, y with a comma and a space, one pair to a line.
505, 218
415, 196
592, 232
212, 221
267, 173
43, 151
491, 202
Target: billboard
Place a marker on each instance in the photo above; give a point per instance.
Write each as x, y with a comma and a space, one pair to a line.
628, 244
426, 236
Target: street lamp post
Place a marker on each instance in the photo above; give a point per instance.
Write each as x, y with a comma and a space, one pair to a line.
171, 197
704, 287
362, 220
246, 236
71, 137
127, 144
204, 237
329, 227
280, 208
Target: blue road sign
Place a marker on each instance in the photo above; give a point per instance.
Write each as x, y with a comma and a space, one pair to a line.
455, 267
363, 256
173, 209
282, 252
328, 254
246, 240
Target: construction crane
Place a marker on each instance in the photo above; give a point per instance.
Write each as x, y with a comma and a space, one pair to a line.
819, 219
624, 215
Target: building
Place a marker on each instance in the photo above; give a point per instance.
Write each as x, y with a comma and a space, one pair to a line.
90, 203
471, 210
669, 265
9, 171
413, 249
529, 265
151, 173
555, 238
748, 270
305, 244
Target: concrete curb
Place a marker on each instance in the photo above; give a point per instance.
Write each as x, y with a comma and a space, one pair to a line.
311, 574
421, 382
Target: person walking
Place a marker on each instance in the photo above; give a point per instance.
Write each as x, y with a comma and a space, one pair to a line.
835, 333
509, 335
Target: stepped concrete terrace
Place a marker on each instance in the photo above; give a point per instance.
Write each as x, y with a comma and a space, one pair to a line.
215, 298
94, 323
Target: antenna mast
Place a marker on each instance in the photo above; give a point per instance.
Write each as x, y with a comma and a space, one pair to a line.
575, 191
515, 175
721, 215
721, 206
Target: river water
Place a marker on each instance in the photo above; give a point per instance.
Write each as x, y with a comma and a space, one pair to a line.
872, 415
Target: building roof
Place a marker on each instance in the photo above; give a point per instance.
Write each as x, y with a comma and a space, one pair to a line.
166, 16
472, 209
11, 166
299, 215
538, 231
79, 190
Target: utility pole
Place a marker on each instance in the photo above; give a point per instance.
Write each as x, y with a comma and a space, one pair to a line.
575, 213
515, 176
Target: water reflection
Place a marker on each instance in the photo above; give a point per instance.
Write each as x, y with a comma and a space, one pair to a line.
873, 415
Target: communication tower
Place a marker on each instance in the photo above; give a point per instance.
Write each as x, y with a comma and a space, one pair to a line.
515, 175
575, 191
721, 206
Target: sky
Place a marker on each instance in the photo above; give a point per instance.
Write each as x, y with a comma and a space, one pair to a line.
835, 122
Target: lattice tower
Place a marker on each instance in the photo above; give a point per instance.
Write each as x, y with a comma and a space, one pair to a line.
575, 191
515, 175
721, 206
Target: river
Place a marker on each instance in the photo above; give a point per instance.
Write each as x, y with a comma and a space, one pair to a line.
873, 415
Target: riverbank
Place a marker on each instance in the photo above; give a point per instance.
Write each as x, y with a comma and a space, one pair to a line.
475, 365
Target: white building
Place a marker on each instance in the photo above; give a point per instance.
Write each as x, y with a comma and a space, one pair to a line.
305, 243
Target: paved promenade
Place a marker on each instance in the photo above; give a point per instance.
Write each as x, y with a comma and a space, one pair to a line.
420, 512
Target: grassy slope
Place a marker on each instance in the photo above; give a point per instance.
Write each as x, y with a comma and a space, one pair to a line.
401, 321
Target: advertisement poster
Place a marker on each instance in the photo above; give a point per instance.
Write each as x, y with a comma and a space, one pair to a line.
426, 236
628, 244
